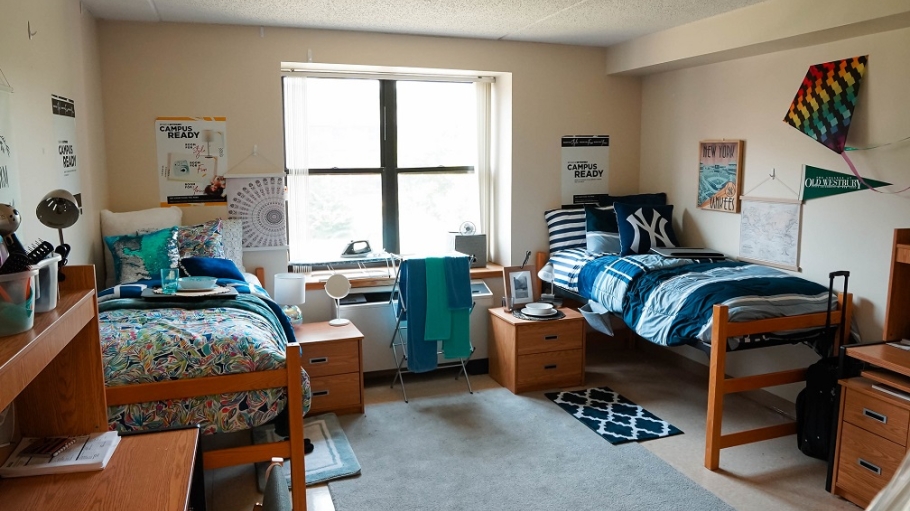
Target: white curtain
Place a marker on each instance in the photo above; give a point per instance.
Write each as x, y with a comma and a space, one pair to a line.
482, 166
296, 148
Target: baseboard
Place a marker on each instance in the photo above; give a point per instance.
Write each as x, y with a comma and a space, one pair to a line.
671, 355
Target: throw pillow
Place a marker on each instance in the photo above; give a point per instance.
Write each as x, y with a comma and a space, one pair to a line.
643, 227
203, 240
143, 256
602, 231
566, 228
116, 224
210, 267
232, 239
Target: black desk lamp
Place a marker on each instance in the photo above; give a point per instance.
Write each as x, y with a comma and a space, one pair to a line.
59, 210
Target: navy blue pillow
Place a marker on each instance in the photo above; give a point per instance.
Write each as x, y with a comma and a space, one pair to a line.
601, 230
643, 227
210, 267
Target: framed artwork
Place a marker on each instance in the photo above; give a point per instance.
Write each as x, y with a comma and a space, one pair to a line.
521, 284
720, 175
769, 232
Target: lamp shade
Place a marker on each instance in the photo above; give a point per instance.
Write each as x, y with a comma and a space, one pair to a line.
290, 288
58, 209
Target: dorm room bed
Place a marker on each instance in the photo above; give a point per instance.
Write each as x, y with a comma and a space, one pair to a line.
225, 362
714, 305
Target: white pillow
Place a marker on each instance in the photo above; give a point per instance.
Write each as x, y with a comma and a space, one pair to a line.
115, 224
232, 239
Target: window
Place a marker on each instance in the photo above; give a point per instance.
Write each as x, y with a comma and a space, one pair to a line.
397, 162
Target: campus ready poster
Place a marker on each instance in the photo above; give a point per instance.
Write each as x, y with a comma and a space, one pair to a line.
192, 160
585, 167
64, 113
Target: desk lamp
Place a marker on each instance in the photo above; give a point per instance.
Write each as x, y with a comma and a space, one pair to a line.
59, 210
337, 287
290, 290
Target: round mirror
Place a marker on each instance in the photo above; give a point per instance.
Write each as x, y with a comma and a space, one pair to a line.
338, 286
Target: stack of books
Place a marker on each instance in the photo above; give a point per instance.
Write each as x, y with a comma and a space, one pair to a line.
59, 455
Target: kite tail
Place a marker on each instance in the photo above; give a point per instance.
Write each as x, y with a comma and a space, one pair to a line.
856, 173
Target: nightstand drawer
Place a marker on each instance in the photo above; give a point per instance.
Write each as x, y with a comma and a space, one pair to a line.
335, 392
550, 369
867, 462
877, 416
549, 336
327, 358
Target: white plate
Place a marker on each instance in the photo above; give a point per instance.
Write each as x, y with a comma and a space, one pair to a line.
539, 305
538, 312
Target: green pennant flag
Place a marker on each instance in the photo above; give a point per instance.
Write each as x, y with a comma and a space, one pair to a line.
822, 183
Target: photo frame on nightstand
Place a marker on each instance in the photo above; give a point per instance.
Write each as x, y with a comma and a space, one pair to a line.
520, 285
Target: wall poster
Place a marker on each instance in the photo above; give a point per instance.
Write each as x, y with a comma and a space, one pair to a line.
769, 231
192, 160
259, 201
9, 170
720, 175
64, 112
585, 167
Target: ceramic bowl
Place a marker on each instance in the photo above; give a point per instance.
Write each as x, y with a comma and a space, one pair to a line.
196, 283
539, 306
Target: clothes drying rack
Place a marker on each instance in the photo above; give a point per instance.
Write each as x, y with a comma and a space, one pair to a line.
399, 341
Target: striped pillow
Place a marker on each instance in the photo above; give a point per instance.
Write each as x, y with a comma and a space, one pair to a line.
566, 228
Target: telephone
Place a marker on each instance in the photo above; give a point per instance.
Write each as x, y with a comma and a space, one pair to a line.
357, 248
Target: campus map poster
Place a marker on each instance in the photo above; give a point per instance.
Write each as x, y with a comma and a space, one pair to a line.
585, 167
192, 160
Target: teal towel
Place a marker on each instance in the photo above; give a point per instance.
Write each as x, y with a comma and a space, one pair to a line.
439, 319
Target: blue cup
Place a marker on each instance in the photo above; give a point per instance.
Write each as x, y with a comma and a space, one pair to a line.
169, 278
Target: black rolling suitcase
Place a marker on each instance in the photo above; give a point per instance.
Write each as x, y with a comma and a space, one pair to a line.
817, 404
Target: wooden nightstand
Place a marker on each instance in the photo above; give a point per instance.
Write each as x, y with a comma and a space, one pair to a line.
534, 355
332, 358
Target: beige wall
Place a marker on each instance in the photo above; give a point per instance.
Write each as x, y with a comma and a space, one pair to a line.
747, 99
151, 70
61, 58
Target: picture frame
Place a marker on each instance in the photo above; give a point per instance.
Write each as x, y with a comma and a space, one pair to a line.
720, 175
521, 285
770, 231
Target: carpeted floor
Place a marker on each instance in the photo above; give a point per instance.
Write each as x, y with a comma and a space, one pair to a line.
496, 450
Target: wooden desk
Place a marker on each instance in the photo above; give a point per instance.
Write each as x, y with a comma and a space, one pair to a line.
150, 472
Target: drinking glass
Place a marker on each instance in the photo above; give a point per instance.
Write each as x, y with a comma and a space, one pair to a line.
169, 281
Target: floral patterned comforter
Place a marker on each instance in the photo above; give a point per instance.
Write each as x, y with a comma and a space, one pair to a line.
145, 342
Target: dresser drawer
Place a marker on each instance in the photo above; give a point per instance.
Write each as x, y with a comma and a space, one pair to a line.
327, 358
867, 462
543, 336
550, 369
335, 392
877, 416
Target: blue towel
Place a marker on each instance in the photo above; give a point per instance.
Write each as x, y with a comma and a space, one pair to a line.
413, 287
458, 294
439, 319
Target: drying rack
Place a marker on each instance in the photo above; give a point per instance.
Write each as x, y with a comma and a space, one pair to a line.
399, 342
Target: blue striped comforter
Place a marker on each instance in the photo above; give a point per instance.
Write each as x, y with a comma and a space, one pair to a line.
669, 301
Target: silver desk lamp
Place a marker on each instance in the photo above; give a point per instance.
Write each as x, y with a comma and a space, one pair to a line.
59, 210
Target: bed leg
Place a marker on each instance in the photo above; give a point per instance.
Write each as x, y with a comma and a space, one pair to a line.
295, 423
716, 377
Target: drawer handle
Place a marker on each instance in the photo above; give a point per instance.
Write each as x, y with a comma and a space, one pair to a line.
320, 393
320, 360
551, 366
875, 416
551, 338
869, 466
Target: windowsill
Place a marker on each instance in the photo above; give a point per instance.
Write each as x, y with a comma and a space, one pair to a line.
371, 277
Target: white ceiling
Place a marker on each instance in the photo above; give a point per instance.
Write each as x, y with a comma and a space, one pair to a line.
581, 22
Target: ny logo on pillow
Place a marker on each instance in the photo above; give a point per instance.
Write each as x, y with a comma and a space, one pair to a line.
643, 227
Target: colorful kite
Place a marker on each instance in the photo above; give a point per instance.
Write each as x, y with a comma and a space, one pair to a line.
824, 103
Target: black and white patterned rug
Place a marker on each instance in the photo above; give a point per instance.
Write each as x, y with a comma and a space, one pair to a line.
612, 416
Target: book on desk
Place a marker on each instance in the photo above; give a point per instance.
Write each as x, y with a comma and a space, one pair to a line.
87, 453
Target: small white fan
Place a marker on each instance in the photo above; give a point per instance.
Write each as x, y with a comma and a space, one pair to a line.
467, 228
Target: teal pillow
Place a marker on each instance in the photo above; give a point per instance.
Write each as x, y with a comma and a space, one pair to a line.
601, 230
143, 256
644, 227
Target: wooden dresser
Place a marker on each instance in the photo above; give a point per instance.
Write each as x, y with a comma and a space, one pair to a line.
332, 359
534, 355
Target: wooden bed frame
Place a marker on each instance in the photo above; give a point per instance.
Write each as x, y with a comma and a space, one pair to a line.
288, 377
719, 385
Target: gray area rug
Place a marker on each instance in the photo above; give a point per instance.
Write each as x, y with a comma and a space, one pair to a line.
496, 450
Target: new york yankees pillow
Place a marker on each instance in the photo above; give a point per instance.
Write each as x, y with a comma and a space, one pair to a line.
643, 227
